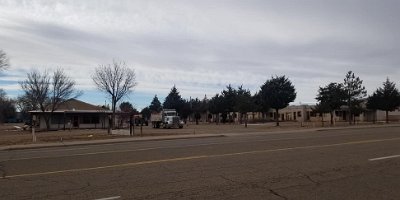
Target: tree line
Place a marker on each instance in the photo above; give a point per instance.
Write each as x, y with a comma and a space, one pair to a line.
45, 91
275, 93
352, 96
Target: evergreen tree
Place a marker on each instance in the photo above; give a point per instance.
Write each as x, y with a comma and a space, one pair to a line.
204, 106
155, 105
331, 97
127, 107
146, 113
386, 98
260, 105
196, 106
278, 92
229, 97
186, 110
127, 110
244, 103
216, 106
174, 101
373, 104
355, 93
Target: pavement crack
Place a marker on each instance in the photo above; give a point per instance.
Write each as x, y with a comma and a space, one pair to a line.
277, 194
255, 186
231, 180
308, 177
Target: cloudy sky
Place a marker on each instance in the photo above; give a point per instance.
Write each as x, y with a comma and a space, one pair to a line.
202, 46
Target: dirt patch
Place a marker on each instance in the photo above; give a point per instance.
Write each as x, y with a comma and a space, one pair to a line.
10, 135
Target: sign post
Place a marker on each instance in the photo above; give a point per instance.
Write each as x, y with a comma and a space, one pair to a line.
131, 125
33, 128
109, 124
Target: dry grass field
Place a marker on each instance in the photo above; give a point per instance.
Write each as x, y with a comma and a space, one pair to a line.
10, 135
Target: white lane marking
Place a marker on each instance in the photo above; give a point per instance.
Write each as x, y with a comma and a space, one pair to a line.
109, 198
197, 157
383, 158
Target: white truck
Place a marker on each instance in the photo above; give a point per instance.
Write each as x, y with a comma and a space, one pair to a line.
167, 118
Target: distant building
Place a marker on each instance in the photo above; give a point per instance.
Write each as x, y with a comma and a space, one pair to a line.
380, 115
305, 113
74, 114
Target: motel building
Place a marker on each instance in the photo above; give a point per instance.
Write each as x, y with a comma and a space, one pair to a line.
305, 113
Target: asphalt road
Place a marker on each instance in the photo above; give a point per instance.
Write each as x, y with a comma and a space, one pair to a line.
334, 164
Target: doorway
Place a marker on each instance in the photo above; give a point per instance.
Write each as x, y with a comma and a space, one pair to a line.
75, 121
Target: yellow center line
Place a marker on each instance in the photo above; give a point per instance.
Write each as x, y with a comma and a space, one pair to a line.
83, 154
198, 157
107, 167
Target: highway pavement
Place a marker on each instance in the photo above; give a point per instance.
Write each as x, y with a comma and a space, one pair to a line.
332, 164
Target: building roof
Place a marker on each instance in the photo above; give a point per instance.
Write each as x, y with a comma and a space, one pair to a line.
74, 105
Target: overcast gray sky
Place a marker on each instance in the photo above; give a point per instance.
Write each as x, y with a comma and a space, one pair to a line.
201, 46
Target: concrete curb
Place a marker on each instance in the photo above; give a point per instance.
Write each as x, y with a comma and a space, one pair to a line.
106, 141
319, 129
358, 127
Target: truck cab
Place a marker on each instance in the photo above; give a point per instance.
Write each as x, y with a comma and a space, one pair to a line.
168, 118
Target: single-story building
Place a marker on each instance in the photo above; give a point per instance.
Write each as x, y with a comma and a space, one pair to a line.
305, 113
73, 114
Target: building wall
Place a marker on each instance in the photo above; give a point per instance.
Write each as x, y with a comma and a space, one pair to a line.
74, 121
393, 116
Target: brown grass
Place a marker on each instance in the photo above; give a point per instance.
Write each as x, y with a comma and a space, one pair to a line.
9, 135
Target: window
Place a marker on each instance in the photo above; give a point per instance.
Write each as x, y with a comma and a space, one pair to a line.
299, 113
86, 119
90, 119
57, 119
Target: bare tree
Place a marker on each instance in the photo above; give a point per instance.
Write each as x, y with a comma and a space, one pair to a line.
4, 62
62, 89
37, 89
116, 80
46, 92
